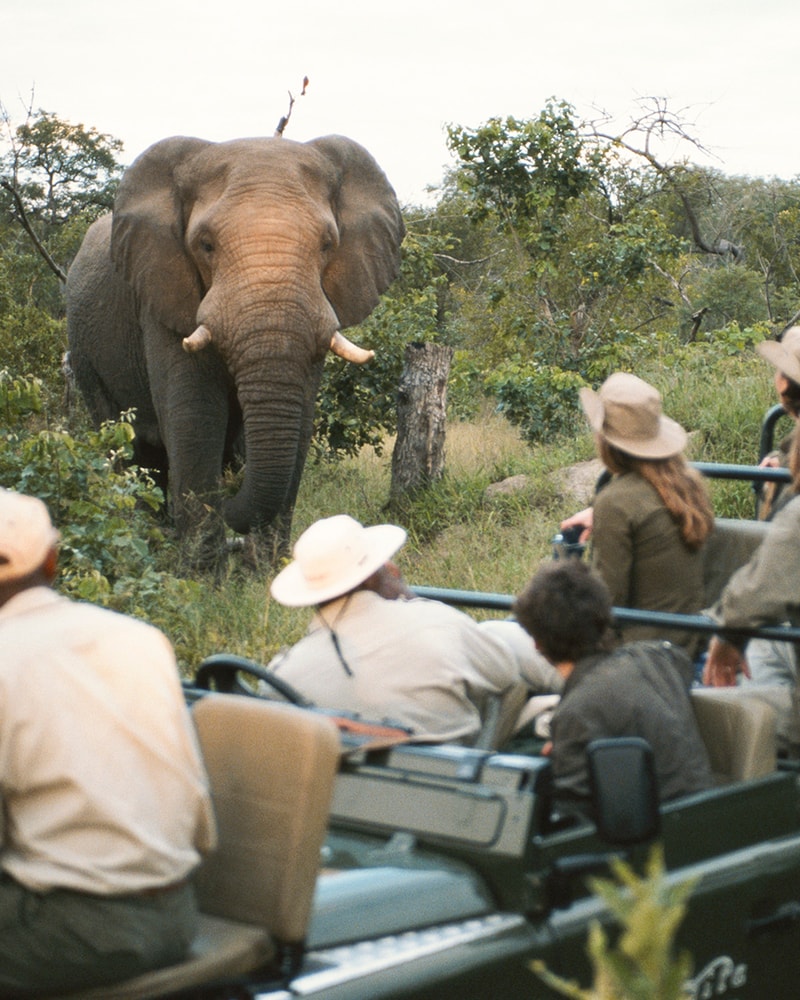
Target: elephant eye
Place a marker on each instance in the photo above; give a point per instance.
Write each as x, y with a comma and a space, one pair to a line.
329, 239
206, 246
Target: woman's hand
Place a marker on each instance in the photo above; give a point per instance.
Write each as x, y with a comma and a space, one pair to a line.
723, 663
583, 519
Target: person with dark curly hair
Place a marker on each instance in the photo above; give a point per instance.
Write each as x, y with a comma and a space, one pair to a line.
637, 689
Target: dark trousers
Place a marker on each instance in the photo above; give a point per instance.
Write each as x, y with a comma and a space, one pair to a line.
58, 941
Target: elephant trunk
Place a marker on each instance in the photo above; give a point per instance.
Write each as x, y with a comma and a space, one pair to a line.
277, 432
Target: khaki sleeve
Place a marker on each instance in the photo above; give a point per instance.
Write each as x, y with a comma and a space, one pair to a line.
764, 590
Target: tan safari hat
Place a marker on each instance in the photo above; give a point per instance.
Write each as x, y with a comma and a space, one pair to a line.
26, 534
784, 354
332, 557
626, 411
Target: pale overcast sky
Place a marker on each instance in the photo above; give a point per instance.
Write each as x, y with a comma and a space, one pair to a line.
392, 76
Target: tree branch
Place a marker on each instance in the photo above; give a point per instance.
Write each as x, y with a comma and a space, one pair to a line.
660, 122
285, 118
25, 223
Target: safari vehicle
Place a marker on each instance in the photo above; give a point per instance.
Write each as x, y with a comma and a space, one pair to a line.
357, 865
446, 871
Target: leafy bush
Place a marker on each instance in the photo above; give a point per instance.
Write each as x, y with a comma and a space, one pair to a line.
642, 965
357, 404
539, 399
113, 552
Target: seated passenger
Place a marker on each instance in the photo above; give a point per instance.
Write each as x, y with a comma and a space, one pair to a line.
374, 649
650, 521
784, 356
763, 592
773, 663
639, 689
104, 795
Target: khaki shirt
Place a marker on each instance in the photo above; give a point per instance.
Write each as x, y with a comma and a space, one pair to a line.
414, 663
766, 590
103, 787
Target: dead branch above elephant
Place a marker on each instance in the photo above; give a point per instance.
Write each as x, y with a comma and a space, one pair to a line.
284, 121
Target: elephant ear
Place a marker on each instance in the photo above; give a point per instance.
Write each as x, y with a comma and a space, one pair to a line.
371, 230
147, 235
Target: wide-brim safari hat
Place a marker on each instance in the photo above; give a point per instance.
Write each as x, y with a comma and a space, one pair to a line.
26, 535
626, 412
784, 354
332, 557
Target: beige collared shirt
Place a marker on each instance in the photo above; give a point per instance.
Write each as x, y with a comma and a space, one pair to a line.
415, 663
102, 782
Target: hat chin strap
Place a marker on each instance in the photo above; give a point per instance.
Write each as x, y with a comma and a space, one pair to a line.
332, 630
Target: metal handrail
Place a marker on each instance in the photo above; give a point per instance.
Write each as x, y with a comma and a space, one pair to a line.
771, 417
622, 616
755, 473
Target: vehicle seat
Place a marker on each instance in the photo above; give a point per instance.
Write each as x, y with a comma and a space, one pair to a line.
272, 769
738, 731
500, 716
729, 546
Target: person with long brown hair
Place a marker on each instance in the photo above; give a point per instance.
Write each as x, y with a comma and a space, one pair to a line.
784, 356
649, 523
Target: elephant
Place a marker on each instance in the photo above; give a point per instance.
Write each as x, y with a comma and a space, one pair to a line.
207, 301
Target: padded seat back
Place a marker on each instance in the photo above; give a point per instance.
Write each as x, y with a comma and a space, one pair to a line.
730, 545
738, 731
272, 768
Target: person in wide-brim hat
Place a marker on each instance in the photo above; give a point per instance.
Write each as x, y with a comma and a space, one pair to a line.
375, 651
332, 557
784, 354
626, 412
649, 522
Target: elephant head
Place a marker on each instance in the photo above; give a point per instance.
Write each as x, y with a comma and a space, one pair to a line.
245, 260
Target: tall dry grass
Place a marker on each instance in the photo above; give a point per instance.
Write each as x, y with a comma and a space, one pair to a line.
490, 521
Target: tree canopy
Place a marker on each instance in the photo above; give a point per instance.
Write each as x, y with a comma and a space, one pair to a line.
558, 250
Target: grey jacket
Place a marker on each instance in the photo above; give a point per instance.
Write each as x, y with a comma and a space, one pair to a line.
641, 689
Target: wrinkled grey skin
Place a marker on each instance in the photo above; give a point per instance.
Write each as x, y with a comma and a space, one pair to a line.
271, 246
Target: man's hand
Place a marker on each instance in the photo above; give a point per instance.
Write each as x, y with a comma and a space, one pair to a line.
723, 663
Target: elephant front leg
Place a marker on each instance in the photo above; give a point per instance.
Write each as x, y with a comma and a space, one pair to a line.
191, 398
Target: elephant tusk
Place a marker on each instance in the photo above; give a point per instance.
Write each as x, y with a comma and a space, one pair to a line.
346, 349
198, 340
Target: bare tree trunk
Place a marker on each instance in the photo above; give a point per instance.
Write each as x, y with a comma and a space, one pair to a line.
418, 456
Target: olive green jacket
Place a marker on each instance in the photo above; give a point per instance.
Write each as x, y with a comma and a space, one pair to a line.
638, 550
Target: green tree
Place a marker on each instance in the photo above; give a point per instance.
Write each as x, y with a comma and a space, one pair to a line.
357, 403
58, 169
593, 245
55, 178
